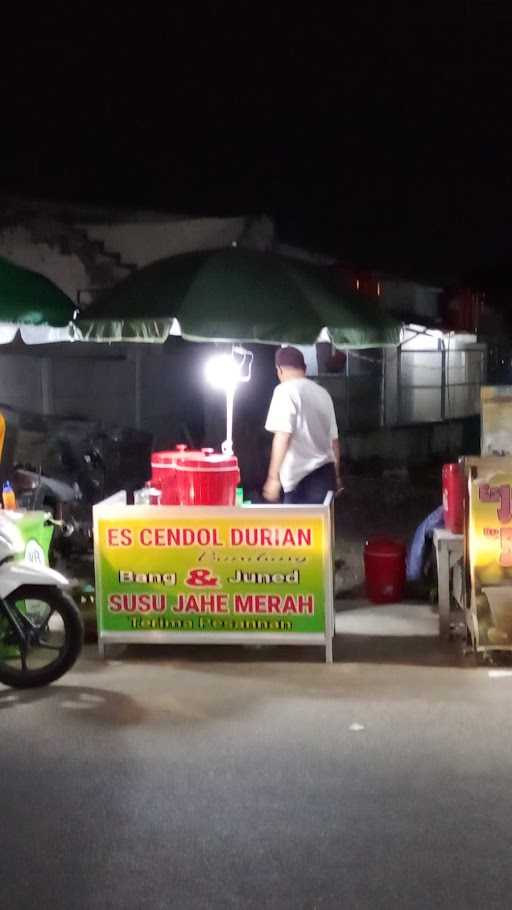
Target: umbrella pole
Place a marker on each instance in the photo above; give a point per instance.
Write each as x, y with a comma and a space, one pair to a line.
46, 385
138, 389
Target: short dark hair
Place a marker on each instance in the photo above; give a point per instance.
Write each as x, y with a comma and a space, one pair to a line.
290, 357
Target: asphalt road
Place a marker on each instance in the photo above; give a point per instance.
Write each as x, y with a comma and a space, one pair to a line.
226, 779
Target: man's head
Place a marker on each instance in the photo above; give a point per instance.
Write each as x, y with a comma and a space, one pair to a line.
290, 363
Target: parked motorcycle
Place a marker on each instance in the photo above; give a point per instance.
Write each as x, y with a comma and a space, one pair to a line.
41, 629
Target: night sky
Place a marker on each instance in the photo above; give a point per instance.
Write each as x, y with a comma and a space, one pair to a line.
384, 140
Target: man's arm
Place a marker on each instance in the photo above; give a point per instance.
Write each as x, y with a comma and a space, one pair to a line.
272, 488
337, 462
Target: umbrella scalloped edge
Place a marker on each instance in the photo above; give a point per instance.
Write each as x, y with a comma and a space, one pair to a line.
157, 331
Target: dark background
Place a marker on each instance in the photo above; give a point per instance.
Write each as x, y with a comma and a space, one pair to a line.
382, 135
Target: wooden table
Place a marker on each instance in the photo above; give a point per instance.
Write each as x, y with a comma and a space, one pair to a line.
449, 549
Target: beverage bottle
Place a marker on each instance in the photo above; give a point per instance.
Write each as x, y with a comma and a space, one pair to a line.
8, 496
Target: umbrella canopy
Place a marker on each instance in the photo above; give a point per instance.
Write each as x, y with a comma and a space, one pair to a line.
33, 304
237, 295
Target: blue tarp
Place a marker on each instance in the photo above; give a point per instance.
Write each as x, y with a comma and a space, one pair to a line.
417, 546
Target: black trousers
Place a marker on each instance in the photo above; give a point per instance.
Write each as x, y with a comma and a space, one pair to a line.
313, 488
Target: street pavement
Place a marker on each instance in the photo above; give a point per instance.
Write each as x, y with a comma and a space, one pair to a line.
262, 778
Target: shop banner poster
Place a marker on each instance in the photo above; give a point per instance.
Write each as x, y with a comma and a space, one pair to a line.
490, 552
219, 574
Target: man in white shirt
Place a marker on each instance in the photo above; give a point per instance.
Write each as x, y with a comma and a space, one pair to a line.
305, 459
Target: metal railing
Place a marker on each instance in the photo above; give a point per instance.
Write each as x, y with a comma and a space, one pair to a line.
439, 385
397, 387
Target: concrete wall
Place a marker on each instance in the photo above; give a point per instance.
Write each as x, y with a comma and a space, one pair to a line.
410, 297
82, 254
21, 381
141, 244
66, 270
416, 445
148, 386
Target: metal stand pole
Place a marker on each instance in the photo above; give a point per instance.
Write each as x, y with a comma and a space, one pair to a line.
227, 445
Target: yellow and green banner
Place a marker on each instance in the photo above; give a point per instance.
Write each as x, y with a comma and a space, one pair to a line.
218, 571
490, 551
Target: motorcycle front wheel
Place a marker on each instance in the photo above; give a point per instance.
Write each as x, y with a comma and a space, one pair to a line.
41, 636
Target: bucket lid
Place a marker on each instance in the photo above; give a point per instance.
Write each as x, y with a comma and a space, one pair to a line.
167, 458
452, 468
384, 546
206, 460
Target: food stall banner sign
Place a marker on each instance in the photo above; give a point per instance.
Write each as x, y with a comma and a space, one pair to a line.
165, 573
490, 552
496, 420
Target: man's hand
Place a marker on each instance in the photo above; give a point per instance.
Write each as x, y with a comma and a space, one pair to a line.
272, 490
337, 466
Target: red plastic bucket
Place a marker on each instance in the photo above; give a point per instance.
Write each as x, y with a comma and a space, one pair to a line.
453, 498
206, 479
384, 566
163, 474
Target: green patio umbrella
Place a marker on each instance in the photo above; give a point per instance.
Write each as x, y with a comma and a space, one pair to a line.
240, 295
32, 304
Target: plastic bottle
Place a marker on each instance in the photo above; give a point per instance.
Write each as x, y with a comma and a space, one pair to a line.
8, 497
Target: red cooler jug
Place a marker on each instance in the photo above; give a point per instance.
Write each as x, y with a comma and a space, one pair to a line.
163, 474
206, 479
453, 498
384, 565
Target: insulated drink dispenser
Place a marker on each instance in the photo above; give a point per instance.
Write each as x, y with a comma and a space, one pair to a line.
163, 474
206, 478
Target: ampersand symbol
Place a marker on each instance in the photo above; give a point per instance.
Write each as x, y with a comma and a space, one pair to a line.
201, 578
